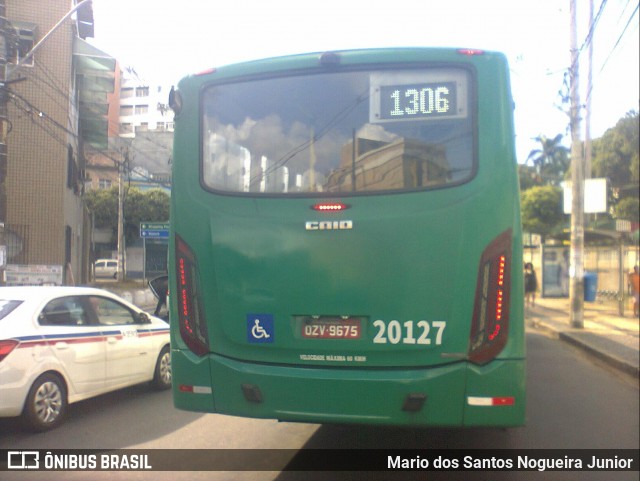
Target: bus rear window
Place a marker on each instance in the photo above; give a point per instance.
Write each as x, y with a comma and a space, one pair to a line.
339, 133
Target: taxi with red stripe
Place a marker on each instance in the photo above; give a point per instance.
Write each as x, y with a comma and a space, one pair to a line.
60, 345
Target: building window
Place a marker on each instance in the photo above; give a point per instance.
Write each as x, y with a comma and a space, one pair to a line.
126, 92
73, 173
126, 110
142, 91
126, 128
142, 109
104, 183
143, 127
67, 244
23, 42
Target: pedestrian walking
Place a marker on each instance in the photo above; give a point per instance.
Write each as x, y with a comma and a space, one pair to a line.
634, 283
530, 285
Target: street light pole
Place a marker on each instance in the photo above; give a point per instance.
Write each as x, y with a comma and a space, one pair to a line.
577, 184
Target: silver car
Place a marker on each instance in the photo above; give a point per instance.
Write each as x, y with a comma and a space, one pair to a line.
106, 268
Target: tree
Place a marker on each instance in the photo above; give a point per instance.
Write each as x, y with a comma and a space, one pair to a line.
615, 154
542, 209
528, 177
627, 209
149, 206
615, 157
103, 205
551, 161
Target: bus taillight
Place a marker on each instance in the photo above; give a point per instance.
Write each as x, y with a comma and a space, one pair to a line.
490, 323
470, 51
330, 207
193, 328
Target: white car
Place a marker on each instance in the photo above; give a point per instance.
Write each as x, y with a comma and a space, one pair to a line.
106, 268
59, 345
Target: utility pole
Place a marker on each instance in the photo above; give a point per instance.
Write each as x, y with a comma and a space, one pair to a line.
121, 246
587, 120
576, 271
4, 128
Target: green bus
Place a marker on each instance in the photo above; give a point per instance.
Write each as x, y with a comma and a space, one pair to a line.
345, 240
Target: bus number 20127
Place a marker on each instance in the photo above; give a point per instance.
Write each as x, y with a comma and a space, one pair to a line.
410, 332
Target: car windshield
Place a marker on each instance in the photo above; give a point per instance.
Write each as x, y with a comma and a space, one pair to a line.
6, 306
344, 132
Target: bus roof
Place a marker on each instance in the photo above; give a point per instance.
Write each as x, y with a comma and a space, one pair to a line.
347, 57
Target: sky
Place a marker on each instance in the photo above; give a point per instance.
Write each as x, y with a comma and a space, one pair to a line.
166, 40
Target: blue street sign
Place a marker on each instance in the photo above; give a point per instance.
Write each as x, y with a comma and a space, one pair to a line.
155, 234
154, 230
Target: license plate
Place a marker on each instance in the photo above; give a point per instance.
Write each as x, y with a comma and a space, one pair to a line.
330, 328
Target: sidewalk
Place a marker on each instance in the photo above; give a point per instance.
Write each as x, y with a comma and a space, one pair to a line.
606, 335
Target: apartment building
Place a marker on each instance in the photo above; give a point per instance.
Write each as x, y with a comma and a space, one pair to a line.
141, 134
56, 107
143, 106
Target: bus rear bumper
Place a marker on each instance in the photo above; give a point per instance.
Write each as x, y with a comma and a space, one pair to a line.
436, 396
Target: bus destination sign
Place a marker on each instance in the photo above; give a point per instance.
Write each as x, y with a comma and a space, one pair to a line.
404, 102
418, 95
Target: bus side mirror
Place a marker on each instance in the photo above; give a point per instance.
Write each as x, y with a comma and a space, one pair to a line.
175, 101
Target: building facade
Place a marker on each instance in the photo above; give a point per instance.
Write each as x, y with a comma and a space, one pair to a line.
140, 136
56, 105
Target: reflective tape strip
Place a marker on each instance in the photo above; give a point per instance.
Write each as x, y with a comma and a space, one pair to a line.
195, 389
202, 389
491, 401
480, 401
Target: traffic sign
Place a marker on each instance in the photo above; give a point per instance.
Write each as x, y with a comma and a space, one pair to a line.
154, 230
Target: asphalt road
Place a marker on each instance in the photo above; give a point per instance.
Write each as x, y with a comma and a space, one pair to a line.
572, 403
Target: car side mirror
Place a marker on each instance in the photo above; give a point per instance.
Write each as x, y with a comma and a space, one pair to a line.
143, 318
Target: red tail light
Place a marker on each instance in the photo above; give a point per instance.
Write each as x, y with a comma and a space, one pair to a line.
490, 323
193, 327
6, 347
470, 51
206, 71
330, 207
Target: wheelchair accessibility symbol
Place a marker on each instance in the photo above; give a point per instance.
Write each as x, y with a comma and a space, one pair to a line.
260, 328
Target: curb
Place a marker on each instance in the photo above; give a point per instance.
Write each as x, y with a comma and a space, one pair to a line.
608, 358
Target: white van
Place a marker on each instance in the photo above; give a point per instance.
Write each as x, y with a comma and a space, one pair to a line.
106, 268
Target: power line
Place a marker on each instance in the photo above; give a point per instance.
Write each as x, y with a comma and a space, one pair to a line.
615, 46
27, 107
592, 28
23, 104
61, 96
588, 39
620, 37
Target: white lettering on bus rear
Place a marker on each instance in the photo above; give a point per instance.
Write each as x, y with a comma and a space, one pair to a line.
329, 225
395, 333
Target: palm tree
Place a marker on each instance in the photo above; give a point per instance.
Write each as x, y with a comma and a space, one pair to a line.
552, 160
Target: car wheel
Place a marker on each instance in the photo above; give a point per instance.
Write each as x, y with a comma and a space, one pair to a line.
162, 375
46, 403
